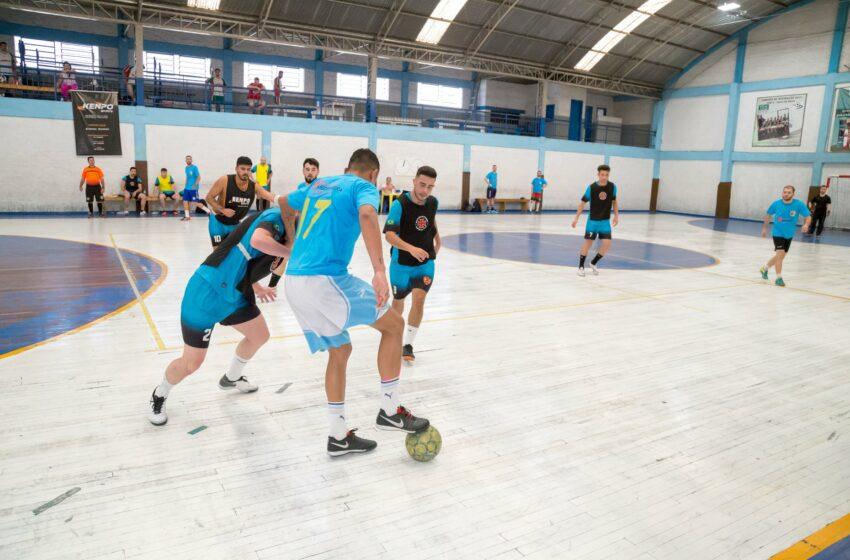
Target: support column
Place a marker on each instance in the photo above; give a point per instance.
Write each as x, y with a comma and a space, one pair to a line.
542, 90
319, 75
464, 184
139, 61
371, 89
405, 88
227, 73
724, 187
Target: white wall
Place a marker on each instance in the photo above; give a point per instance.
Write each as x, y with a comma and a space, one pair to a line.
756, 185
214, 150
496, 93
695, 123
689, 186
633, 178
716, 68
517, 167
635, 111
290, 149
568, 175
795, 44
51, 183
811, 120
834, 169
401, 158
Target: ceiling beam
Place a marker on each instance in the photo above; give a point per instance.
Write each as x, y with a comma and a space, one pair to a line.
489, 26
389, 20
238, 26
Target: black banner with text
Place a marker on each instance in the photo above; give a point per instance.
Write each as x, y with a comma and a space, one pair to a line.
96, 125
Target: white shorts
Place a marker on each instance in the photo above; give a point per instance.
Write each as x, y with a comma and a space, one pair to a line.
327, 306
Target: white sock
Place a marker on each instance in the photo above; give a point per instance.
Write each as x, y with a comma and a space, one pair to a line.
410, 334
163, 388
236, 367
389, 396
186, 212
337, 428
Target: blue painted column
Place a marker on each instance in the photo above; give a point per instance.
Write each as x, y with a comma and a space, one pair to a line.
319, 75
227, 72
732, 113
658, 127
576, 106
139, 58
405, 88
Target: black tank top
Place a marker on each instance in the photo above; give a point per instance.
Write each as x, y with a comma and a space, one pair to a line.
601, 200
237, 200
417, 228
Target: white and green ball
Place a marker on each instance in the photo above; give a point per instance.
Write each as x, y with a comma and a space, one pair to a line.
424, 446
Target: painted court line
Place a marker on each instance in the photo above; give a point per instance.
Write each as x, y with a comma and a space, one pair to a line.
159, 344
284, 388
55, 501
817, 542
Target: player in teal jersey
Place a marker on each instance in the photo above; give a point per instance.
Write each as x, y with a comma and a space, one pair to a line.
785, 212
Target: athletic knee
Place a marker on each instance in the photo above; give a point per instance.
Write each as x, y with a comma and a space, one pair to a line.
418, 297
340, 354
394, 324
191, 364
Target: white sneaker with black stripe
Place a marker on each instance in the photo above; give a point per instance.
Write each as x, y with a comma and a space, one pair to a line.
242, 384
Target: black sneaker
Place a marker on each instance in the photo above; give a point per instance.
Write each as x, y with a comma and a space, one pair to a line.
349, 444
157, 417
403, 421
407, 353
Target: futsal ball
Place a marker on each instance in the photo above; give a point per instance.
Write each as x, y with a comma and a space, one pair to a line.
424, 446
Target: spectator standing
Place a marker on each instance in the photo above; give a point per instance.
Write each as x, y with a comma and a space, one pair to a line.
8, 68
217, 85
67, 81
537, 185
92, 178
278, 87
492, 182
190, 190
255, 97
262, 176
821, 207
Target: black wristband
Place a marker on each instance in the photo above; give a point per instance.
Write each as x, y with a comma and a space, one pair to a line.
275, 279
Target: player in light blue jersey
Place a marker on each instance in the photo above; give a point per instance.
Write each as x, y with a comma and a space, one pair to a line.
224, 290
327, 300
785, 211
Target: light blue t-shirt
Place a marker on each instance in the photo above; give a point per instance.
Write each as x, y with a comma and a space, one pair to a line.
785, 216
192, 176
537, 184
329, 224
493, 179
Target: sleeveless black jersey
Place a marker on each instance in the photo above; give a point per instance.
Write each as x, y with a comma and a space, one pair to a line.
601, 199
237, 200
415, 227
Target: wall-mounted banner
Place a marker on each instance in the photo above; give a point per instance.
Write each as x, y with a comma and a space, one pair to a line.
96, 125
779, 120
839, 133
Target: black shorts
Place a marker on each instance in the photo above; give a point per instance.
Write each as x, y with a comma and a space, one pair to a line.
491, 192
169, 195
199, 337
93, 192
782, 243
134, 193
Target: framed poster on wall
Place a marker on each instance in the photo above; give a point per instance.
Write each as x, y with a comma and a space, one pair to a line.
839, 132
779, 120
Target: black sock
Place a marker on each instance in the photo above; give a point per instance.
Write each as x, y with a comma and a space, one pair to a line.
91, 208
275, 279
581, 260
596, 259
100, 208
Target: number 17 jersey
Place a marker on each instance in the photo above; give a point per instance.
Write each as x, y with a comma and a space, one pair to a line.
329, 224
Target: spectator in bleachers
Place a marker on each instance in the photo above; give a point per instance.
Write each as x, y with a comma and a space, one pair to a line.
92, 178
8, 68
255, 97
131, 188
388, 191
217, 84
67, 81
278, 87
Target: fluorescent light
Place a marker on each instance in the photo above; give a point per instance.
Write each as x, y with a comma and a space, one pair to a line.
728, 6
436, 25
613, 37
204, 4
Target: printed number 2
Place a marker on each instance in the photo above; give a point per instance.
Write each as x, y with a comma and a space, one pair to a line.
321, 205
207, 333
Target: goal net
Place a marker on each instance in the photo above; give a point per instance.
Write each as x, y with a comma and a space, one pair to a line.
839, 192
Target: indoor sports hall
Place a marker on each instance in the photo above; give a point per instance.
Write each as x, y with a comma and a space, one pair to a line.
587, 260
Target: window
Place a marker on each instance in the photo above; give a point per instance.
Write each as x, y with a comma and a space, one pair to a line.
49, 55
354, 85
292, 80
442, 96
171, 67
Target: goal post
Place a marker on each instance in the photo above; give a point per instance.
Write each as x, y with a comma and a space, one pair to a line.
838, 189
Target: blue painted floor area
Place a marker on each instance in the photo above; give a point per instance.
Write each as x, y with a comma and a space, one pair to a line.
562, 250
838, 551
746, 227
49, 286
